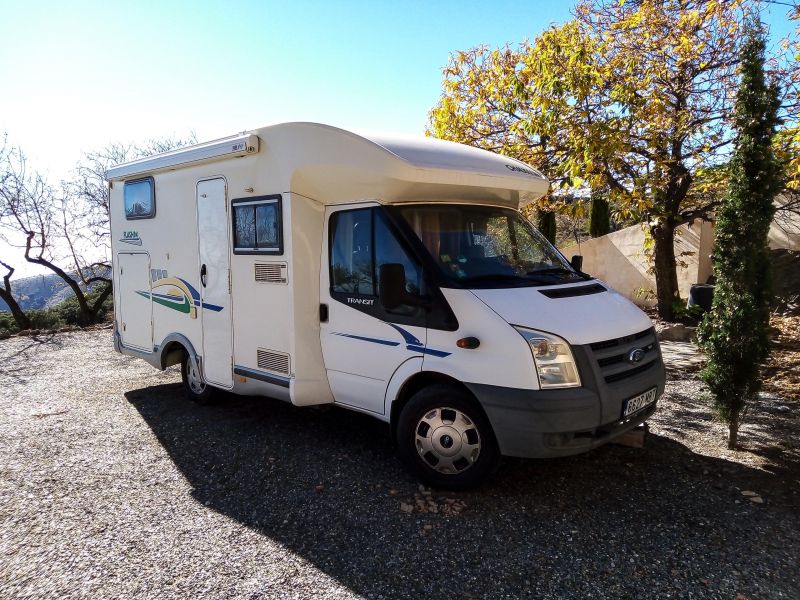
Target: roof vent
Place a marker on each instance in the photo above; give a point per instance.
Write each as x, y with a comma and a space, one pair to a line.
270, 360
272, 273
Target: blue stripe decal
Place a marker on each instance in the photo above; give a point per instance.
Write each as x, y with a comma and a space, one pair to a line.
413, 344
431, 351
366, 339
207, 305
407, 335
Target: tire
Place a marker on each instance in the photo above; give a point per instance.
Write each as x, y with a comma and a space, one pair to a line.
196, 389
444, 436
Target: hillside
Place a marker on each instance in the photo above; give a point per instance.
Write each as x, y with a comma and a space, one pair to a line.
39, 291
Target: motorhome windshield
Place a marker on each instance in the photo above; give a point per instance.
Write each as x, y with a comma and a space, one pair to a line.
484, 246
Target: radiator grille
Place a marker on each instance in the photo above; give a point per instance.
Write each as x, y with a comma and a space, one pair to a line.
272, 272
612, 356
269, 360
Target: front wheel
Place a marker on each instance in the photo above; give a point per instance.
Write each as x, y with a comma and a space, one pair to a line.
446, 439
197, 390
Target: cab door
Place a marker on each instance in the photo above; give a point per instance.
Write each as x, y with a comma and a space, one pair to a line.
363, 344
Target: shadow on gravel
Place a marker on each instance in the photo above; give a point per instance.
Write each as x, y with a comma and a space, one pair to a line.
618, 521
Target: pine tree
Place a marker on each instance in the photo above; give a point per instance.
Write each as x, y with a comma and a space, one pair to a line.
735, 333
599, 214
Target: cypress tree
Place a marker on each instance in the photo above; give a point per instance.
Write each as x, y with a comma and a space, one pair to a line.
599, 214
546, 223
735, 333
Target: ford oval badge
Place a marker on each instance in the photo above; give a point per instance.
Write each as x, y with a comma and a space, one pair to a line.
636, 355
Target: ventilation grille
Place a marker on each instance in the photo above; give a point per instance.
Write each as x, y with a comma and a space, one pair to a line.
568, 292
272, 272
269, 360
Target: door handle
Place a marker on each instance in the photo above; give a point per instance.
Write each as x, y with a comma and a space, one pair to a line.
203, 272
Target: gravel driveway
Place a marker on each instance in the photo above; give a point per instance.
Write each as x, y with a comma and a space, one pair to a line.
112, 485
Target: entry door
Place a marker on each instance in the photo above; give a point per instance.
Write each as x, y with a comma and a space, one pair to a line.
135, 310
362, 343
214, 283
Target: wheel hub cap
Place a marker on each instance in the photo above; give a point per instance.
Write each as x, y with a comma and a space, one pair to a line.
447, 440
196, 382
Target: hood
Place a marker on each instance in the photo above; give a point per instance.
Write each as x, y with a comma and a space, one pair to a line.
578, 319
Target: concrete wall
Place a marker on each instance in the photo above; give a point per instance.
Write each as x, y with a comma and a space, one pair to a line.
618, 258
785, 230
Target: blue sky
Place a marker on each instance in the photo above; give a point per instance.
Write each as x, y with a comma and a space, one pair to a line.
76, 76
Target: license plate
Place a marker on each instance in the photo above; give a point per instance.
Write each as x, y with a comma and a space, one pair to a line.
639, 402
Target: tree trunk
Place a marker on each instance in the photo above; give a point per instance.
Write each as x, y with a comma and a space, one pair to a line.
21, 319
733, 432
599, 215
665, 269
98, 303
546, 223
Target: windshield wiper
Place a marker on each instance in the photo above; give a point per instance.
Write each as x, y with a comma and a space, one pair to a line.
557, 271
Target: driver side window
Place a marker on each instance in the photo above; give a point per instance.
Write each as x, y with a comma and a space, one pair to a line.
360, 242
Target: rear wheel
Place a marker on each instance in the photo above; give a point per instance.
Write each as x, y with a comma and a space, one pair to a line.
446, 439
197, 390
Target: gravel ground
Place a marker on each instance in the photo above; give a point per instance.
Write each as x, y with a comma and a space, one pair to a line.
112, 485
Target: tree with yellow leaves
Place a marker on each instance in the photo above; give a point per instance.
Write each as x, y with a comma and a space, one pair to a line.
631, 97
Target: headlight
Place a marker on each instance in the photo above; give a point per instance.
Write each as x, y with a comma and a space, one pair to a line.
553, 359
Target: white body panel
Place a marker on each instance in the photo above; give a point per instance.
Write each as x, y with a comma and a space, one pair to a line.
579, 320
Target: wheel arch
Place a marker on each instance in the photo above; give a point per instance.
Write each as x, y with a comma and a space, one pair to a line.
417, 382
172, 348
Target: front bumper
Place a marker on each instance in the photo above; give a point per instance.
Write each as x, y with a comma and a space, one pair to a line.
549, 423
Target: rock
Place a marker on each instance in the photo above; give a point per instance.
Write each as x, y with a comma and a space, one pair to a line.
748, 493
406, 508
634, 438
757, 499
677, 333
783, 408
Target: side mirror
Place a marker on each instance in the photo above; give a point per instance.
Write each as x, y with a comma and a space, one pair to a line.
576, 262
392, 286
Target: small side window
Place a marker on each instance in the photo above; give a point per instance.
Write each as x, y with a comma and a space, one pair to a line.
257, 225
140, 199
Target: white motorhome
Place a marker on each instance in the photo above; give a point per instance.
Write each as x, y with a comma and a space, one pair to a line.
390, 276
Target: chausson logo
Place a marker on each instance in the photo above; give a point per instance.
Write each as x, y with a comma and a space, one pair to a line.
131, 237
364, 301
517, 169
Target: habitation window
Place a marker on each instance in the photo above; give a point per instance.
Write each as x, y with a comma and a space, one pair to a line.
140, 199
257, 225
